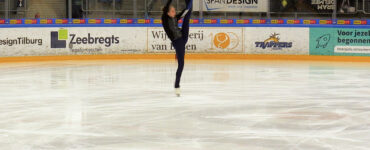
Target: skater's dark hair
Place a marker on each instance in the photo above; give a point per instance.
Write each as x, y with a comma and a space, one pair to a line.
167, 9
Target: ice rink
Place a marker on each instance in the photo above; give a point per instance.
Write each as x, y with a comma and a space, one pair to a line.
225, 105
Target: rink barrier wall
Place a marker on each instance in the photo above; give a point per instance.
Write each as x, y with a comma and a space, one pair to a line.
243, 41
188, 56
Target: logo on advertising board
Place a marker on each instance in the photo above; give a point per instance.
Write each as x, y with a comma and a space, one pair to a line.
60, 38
20, 41
340, 41
323, 41
219, 4
323, 4
274, 42
214, 40
225, 41
232, 5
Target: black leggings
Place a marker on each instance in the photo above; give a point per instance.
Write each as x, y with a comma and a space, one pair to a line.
179, 45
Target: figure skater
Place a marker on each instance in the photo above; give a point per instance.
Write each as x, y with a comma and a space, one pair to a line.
178, 36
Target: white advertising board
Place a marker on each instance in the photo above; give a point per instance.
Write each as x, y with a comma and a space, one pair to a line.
201, 40
274, 40
71, 41
231, 5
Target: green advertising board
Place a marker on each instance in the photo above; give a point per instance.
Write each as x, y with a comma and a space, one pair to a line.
340, 41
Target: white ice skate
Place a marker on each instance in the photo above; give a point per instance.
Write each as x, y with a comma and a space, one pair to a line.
177, 91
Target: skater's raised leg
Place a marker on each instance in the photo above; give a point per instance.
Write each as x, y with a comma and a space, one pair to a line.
186, 21
181, 43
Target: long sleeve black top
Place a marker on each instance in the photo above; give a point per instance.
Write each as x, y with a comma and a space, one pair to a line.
170, 24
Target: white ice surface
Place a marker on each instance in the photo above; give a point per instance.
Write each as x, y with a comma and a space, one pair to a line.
225, 105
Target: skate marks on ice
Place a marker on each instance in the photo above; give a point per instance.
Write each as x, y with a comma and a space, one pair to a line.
223, 104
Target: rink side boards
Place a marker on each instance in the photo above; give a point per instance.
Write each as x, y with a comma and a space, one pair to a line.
188, 56
211, 42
